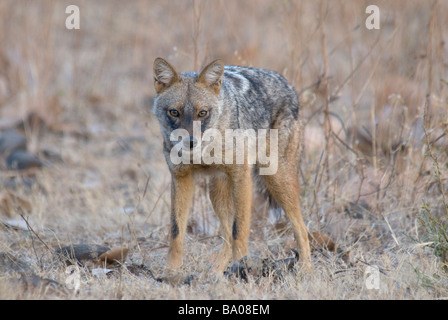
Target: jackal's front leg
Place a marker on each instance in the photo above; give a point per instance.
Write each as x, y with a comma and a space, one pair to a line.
221, 198
182, 188
242, 203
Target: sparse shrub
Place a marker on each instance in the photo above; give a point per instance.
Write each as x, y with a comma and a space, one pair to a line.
436, 233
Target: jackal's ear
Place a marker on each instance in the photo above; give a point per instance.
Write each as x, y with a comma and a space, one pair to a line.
212, 74
164, 75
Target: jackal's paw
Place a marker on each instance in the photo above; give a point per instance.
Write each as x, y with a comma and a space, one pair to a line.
257, 267
177, 279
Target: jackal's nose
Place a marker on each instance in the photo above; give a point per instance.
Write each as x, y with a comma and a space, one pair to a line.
190, 142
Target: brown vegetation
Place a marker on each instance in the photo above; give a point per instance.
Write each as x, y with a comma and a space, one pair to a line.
374, 171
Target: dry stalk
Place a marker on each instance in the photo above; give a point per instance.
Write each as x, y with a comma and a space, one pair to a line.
434, 159
427, 106
316, 188
430, 66
374, 133
197, 16
327, 124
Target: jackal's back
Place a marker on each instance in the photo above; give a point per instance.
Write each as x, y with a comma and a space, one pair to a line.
258, 98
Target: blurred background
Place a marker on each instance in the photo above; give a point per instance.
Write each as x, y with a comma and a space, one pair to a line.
80, 101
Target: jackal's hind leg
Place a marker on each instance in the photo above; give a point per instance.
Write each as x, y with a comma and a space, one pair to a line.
284, 187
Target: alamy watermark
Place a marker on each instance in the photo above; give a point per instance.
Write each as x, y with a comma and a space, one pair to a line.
237, 146
373, 20
73, 280
73, 20
372, 277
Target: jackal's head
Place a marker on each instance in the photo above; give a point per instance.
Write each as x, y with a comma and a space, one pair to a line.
184, 98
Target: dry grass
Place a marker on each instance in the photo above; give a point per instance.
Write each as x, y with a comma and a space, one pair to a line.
365, 145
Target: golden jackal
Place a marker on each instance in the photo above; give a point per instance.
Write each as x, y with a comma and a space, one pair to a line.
225, 100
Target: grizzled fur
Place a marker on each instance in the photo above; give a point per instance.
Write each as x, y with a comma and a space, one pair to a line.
231, 97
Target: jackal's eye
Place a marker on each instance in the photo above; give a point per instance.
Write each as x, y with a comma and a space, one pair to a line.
202, 113
173, 113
